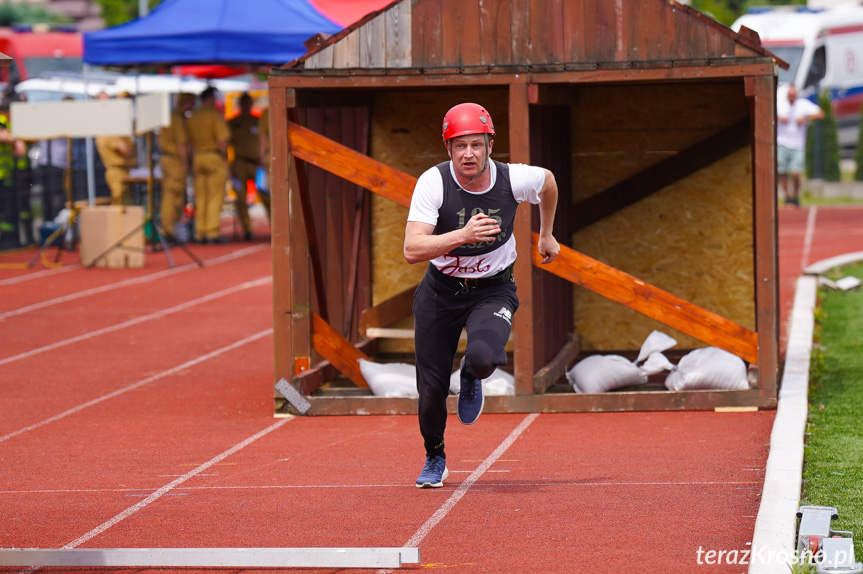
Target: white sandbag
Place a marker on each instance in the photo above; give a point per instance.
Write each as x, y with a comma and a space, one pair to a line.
601, 373
498, 383
656, 363
390, 379
709, 368
656, 342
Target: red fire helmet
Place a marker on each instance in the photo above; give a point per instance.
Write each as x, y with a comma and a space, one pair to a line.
465, 119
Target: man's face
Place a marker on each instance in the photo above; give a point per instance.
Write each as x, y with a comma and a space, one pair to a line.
469, 154
792, 94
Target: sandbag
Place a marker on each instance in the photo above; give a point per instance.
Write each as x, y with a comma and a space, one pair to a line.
498, 383
709, 368
601, 373
390, 379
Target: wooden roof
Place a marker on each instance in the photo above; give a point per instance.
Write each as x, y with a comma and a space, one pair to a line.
575, 34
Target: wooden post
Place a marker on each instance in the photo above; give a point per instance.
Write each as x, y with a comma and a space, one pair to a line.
762, 90
291, 335
522, 326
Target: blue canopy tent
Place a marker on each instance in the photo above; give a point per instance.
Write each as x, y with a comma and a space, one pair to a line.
210, 31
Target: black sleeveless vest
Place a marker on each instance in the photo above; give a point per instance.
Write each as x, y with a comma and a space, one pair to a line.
459, 206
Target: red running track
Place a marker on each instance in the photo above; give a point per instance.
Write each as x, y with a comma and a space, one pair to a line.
137, 412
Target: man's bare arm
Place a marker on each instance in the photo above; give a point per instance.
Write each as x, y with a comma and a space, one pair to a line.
422, 245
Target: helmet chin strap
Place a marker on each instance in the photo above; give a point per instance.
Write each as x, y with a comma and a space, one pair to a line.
482, 171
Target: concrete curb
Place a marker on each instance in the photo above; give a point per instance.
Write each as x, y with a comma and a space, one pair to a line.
773, 543
826, 265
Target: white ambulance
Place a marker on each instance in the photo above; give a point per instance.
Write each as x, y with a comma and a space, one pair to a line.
824, 49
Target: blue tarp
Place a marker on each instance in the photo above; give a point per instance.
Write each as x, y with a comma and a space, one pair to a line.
210, 31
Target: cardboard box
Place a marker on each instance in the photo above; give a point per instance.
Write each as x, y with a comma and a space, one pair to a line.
116, 227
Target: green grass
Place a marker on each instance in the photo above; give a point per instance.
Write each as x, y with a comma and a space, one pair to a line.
834, 446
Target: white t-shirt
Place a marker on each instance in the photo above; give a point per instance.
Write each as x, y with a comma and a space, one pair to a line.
790, 134
526, 181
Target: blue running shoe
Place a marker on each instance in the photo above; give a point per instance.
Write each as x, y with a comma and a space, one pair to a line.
434, 472
470, 398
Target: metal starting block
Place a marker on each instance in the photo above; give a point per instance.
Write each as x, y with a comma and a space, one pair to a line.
293, 396
831, 553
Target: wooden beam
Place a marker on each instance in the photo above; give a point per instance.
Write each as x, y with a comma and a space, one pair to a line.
309, 221
553, 403
388, 312
350, 164
311, 380
661, 175
765, 232
658, 71
524, 363
651, 301
340, 352
549, 374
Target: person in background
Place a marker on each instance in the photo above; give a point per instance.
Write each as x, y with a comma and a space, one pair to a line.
174, 161
245, 141
209, 135
264, 155
119, 155
793, 115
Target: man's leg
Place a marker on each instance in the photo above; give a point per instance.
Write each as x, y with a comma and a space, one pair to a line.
488, 326
243, 171
200, 177
794, 189
438, 321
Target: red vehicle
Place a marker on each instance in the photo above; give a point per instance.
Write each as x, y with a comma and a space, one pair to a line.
35, 51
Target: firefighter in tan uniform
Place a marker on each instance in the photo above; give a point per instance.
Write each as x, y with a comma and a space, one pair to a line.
174, 161
264, 155
118, 155
209, 135
244, 139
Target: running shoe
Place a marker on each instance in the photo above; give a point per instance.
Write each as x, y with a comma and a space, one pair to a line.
434, 472
470, 398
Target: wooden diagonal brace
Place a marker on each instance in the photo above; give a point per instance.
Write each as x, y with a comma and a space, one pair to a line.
651, 301
340, 352
350, 164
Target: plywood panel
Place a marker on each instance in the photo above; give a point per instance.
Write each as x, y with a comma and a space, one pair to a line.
460, 33
495, 28
426, 38
372, 45
398, 35
521, 40
599, 23
621, 130
693, 239
546, 30
574, 38
346, 51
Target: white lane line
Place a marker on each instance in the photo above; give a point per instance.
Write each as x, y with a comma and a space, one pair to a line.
38, 274
140, 383
367, 486
462, 488
127, 282
172, 485
808, 237
143, 319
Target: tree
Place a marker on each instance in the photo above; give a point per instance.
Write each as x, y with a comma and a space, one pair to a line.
822, 145
727, 11
24, 14
116, 12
